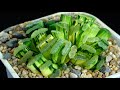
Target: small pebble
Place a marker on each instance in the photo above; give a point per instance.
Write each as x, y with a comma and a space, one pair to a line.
9, 49
7, 55
84, 71
110, 43
21, 69
113, 62
4, 47
10, 36
118, 62
114, 42
103, 54
108, 58
39, 76
67, 71
100, 73
16, 69
113, 72
20, 66
113, 56
77, 72
118, 70
73, 75
115, 68
103, 76
89, 75
12, 43
63, 77
99, 76
93, 74
10, 62
33, 74
83, 75
13, 57
4, 36
18, 28
1, 48
10, 32
24, 72
23, 64
77, 67
30, 74
110, 53
107, 74
117, 55
108, 64
19, 73
18, 35
105, 69
67, 75
3, 51
119, 52
26, 76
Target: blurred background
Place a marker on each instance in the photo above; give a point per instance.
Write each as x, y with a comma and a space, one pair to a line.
108, 12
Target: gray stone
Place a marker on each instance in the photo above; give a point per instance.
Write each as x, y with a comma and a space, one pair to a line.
12, 43
73, 75
105, 69
4, 36
77, 72
7, 55
18, 35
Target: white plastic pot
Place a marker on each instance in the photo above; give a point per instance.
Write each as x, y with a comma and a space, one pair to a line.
11, 72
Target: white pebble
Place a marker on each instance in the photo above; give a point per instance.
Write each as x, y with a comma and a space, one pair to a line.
10, 32
84, 71
1, 48
118, 62
16, 69
118, 70
39, 76
72, 75
77, 67
113, 72
83, 75
113, 56
89, 76
110, 43
19, 73
107, 74
4, 36
33, 74
67, 71
115, 68
114, 41
119, 53
26, 76
108, 58
110, 53
63, 77
108, 64
24, 72
66, 75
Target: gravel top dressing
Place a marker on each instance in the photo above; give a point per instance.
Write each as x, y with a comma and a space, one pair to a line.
65, 46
